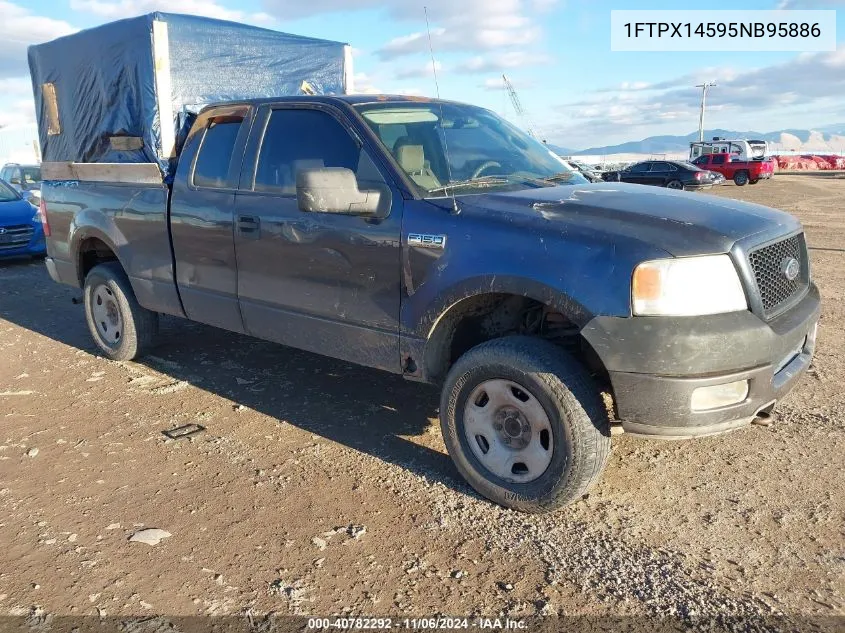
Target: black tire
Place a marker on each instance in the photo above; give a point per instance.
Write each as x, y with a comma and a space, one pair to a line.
675, 184
741, 178
579, 422
753, 181
138, 326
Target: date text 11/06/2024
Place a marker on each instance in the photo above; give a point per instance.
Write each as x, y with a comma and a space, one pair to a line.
420, 624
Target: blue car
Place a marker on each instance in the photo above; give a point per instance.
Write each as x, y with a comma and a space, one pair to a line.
21, 234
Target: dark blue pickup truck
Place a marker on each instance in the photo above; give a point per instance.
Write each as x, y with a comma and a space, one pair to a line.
435, 240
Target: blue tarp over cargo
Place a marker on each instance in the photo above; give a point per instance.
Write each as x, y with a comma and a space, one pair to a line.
97, 92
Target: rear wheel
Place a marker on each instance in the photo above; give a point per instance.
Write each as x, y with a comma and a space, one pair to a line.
674, 184
741, 178
121, 328
524, 424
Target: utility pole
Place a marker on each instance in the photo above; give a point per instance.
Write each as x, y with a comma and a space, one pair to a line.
704, 87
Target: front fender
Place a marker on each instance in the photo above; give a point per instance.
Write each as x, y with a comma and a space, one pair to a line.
422, 340
422, 323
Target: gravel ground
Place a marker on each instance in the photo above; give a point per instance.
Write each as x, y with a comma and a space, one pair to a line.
322, 488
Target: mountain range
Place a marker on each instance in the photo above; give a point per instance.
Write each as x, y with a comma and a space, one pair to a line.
830, 137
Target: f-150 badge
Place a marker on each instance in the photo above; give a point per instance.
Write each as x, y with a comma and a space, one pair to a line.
424, 240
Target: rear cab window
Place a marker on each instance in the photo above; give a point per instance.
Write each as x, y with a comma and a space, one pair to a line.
216, 166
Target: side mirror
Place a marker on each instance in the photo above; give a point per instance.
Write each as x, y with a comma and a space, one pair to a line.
334, 190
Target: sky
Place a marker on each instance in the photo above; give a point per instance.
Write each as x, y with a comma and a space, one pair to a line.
577, 93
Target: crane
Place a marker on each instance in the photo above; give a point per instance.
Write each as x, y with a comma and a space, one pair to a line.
517, 106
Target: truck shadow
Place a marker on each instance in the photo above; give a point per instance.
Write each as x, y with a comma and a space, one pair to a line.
368, 410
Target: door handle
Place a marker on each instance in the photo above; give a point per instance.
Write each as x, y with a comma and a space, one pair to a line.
249, 226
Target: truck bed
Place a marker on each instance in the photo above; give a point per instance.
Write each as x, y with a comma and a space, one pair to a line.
130, 218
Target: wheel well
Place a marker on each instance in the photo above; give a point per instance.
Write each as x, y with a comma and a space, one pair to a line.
485, 317
93, 251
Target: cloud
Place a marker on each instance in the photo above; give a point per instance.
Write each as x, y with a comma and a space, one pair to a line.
20, 28
412, 72
502, 61
496, 83
630, 86
364, 84
18, 106
809, 80
118, 9
465, 25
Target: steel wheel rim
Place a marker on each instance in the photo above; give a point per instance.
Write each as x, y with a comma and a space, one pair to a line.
106, 315
508, 430
675, 185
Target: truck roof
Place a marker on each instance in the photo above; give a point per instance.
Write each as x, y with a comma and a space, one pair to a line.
355, 99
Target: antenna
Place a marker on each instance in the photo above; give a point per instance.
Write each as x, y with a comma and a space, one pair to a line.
455, 208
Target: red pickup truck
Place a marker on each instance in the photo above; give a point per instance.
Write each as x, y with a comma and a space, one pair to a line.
740, 171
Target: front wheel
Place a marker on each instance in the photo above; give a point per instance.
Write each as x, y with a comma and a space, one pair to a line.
524, 424
674, 184
740, 178
121, 328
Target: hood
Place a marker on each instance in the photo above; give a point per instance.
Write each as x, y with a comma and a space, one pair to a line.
16, 212
681, 223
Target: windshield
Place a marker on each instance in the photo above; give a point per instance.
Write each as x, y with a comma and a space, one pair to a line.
484, 150
7, 194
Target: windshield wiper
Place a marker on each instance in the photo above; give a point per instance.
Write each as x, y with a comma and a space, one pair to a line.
483, 181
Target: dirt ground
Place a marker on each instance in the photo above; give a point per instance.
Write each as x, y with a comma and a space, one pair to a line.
323, 488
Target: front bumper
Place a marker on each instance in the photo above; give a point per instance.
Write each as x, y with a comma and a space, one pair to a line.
655, 364
34, 248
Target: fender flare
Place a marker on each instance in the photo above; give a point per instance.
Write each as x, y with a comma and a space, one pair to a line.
425, 328
79, 232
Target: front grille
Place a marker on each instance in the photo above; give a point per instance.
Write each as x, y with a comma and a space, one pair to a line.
15, 236
768, 263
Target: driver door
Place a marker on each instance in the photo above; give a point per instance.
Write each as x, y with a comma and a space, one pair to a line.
322, 282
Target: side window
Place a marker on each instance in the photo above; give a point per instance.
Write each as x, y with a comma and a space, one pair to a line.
719, 159
297, 139
659, 167
701, 160
215, 154
640, 168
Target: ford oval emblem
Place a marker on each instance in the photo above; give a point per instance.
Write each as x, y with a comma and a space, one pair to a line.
790, 268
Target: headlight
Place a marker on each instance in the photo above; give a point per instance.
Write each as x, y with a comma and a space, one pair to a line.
687, 286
